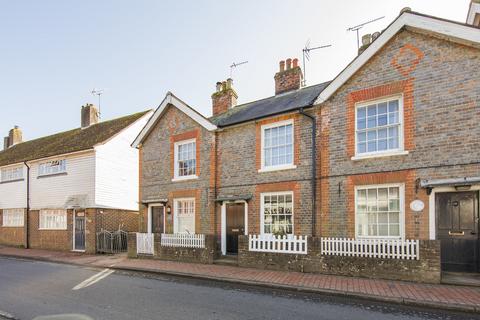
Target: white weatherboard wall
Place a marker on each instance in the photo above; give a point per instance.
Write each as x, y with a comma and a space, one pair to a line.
116, 175
13, 195
52, 192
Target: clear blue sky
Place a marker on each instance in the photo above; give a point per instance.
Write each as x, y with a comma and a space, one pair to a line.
53, 53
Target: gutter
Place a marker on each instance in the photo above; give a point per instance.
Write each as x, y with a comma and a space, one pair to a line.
27, 234
314, 167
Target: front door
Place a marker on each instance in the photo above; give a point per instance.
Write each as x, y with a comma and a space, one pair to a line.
457, 229
235, 225
157, 219
79, 231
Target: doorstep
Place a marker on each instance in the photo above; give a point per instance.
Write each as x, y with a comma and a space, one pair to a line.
227, 260
461, 278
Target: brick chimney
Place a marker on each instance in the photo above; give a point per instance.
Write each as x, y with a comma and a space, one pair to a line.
289, 77
6, 142
224, 98
89, 115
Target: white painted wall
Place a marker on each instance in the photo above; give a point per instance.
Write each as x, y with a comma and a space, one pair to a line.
52, 192
14, 194
116, 174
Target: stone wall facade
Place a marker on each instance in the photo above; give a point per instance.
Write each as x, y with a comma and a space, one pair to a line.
426, 269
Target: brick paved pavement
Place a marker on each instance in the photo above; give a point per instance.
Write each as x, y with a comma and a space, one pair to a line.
438, 296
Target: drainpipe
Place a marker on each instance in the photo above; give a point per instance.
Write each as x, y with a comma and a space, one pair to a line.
314, 167
27, 233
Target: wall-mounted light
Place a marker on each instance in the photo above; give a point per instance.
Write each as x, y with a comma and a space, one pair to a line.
169, 210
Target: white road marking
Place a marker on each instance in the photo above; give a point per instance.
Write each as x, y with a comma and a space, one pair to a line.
94, 279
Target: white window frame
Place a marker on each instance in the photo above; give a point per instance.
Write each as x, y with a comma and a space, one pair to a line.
64, 169
401, 190
3, 172
7, 222
384, 153
176, 177
262, 210
175, 214
262, 145
52, 212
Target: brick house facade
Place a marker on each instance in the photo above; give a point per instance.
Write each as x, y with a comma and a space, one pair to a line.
395, 129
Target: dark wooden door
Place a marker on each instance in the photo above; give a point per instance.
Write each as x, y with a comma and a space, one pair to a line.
80, 231
235, 225
157, 219
457, 228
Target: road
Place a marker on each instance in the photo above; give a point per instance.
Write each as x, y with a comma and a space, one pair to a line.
32, 288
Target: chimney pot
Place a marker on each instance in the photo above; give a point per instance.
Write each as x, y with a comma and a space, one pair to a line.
229, 83
219, 86
295, 63
89, 115
282, 65
375, 35
366, 39
406, 9
289, 64
6, 143
14, 136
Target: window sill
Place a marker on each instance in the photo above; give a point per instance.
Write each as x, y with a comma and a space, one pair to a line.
378, 238
10, 181
278, 168
45, 229
177, 179
379, 155
12, 226
52, 175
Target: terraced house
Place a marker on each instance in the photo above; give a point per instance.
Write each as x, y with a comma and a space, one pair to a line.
58, 191
375, 173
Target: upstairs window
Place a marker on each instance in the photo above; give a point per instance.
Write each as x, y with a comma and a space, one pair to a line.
12, 174
185, 159
12, 218
379, 127
277, 145
52, 167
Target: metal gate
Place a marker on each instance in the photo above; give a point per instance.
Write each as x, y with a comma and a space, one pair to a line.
112, 241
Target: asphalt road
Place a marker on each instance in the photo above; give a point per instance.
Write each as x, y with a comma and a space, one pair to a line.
29, 289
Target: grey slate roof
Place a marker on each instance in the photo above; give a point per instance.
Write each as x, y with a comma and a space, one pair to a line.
278, 104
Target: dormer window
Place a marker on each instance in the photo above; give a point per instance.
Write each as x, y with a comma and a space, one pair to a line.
52, 167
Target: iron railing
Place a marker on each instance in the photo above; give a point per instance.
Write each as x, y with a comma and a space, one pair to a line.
112, 241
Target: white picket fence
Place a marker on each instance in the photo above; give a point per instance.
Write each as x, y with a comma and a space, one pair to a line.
372, 248
183, 240
145, 243
281, 244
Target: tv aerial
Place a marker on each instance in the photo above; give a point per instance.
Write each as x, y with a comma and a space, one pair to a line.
98, 93
306, 55
236, 65
360, 26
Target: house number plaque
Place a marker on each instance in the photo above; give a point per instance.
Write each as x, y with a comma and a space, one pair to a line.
417, 205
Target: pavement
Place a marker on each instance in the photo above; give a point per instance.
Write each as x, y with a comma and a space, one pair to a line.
436, 296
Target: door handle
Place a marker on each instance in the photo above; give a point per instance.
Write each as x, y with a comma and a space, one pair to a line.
235, 230
458, 233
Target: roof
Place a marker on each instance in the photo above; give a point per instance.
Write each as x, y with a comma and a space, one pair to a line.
171, 99
289, 101
67, 142
460, 32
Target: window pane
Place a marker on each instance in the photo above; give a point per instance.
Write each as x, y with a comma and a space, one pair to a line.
362, 136
372, 110
382, 108
361, 123
362, 147
371, 122
361, 113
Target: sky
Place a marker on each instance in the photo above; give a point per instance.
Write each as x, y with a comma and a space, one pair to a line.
54, 53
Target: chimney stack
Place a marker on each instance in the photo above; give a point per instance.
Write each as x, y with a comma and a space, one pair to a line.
473, 15
89, 115
14, 137
289, 77
224, 98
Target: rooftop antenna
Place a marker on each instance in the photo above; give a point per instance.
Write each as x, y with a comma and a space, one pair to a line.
98, 93
235, 65
306, 55
360, 26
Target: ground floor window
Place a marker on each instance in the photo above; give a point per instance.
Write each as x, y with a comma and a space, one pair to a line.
379, 211
53, 219
277, 213
12, 218
184, 215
